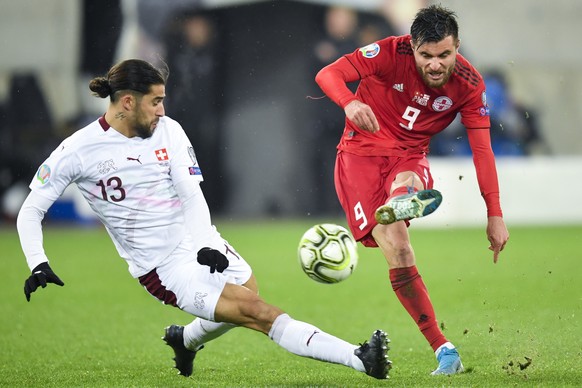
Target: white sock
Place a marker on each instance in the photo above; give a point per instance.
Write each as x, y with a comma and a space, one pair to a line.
200, 331
447, 345
306, 340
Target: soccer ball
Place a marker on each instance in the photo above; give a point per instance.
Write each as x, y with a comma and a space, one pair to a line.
328, 253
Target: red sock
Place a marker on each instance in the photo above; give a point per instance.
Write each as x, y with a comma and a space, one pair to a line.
402, 191
412, 293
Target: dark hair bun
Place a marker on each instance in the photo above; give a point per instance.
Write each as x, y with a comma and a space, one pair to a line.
100, 87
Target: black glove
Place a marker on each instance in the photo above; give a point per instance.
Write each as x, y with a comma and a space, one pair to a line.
41, 275
212, 258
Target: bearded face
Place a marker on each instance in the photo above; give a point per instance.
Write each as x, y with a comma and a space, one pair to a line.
435, 61
148, 111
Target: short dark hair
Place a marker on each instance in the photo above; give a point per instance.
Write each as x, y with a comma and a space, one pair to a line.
433, 24
133, 75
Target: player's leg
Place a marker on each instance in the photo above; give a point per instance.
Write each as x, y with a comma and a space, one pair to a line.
201, 331
365, 183
394, 241
406, 282
240, 306
217, 297
184, 283
408, 199
412, 293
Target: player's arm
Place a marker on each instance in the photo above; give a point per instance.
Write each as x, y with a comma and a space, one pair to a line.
484, 161
198, 223
29, 228
186, 178
333, 80
196, 213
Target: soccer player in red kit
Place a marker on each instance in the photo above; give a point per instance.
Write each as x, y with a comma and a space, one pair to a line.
410, 88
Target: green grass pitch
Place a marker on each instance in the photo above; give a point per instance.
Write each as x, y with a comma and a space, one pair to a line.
102, 329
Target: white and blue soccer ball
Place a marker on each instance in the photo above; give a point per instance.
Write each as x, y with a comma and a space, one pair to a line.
328, 253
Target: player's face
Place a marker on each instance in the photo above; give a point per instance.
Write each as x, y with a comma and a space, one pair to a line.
148, 111
435, 62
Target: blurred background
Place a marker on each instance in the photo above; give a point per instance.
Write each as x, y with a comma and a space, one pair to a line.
242, 85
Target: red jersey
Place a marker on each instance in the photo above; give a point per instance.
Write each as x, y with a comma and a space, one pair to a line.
408, 111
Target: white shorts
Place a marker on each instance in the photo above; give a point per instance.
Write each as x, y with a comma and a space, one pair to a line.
184, 283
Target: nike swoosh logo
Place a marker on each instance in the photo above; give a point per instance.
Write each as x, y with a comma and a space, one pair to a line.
309, 340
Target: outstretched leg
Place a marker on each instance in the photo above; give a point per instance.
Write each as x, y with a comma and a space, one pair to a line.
306, 340
411, 197
241, 307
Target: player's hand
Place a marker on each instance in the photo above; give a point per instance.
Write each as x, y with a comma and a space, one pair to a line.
212, 258
41, 275
362, 115
497, 235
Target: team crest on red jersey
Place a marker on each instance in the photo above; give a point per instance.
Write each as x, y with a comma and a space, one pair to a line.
162, 154
442, 103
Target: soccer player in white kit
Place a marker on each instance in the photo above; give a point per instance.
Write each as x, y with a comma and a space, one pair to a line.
138, 171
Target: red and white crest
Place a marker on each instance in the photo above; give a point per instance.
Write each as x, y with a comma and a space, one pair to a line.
162, 154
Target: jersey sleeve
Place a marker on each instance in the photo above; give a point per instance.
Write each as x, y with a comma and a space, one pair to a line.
371, 60
197, 216
475, 113
29, 226
184, 165
57, 172
333, 80
484, 160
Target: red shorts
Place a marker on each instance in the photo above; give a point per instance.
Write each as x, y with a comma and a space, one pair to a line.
363, 184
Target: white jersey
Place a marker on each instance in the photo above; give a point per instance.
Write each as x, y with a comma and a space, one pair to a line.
130, 184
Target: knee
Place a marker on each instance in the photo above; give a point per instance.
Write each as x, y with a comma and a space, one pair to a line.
241, 306
393, 238
259, 311
401, 248
400, 254
395, 245
259, 314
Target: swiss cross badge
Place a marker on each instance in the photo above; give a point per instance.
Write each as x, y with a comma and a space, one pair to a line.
162, 154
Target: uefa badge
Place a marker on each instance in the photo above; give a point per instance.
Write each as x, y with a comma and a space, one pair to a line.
194, 170
370, 51
192, 155
43, 174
